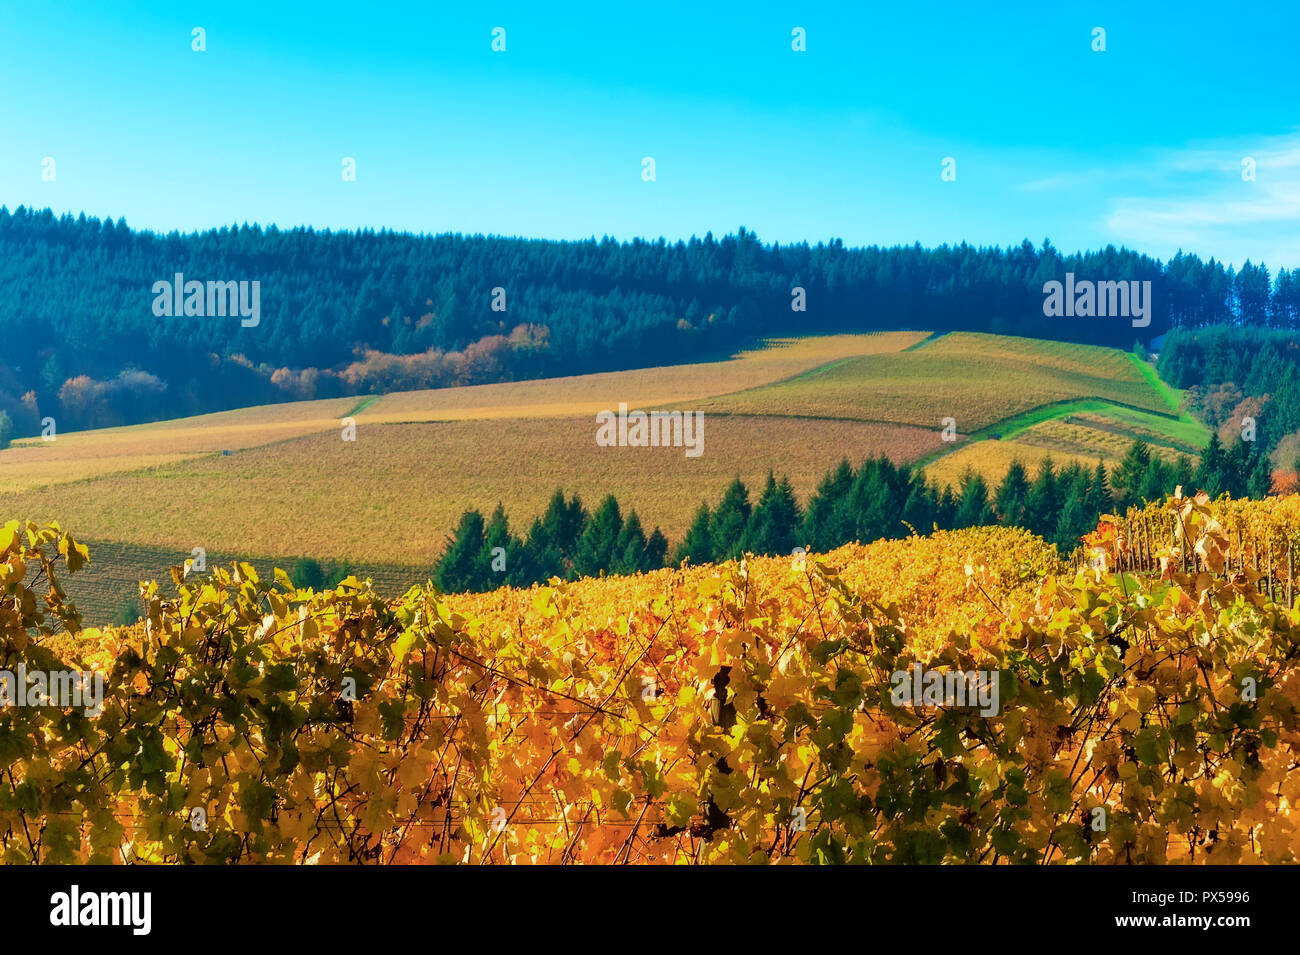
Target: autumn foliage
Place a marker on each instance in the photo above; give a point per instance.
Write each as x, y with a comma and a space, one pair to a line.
1285, 483
718, 714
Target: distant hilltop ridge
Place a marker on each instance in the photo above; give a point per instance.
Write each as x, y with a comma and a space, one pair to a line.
339, 312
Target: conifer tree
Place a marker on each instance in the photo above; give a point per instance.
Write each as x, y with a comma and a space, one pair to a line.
730, 519
1209, 473
1012, 496
1074, 520
563, 522
827, 524
1157, 482
1126, 480
1043, 506
1236, 469
630, 548
921, 509
1099, 499
656, 550
307, 572
973, 509
697, 545
946, 513
461, 569
775, 521
1260, 480
503, 553
597, 547
542, 557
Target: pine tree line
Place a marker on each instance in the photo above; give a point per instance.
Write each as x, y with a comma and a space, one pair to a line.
367, 312
567, 541
878, 500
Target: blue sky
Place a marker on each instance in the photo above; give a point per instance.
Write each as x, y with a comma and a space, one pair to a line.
1140, 145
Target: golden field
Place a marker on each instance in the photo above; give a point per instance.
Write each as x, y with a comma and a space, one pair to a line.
322, 496
1062, 441
1088, 438
291, 487
33, 462
976, 379
645, 388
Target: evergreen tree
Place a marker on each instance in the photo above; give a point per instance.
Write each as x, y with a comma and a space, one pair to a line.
730, 519
697, 545
1098, 500
827, 523
1157, 482
336, 571
598, 545
1126, 480
1209, 473
1074, 520
503, 553
307, 572
128, 612
656, 550
1043, 506
563, 523
1260, 480
579, 307
1013, 495
945, 517
630, 549
921, 509
775, 521
542, 558
974, 509
460, 568
1236, 469
867, 507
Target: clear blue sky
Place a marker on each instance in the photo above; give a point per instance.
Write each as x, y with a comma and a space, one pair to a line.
1140, 145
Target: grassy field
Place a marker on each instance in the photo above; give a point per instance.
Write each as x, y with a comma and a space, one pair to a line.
1087, 429
75, 456
394, 494
978, 380
1060, 441
1088, 436
291, 487
645, 388
32, 463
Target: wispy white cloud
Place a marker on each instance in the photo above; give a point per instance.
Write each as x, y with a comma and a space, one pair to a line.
1218, 211
1195, 199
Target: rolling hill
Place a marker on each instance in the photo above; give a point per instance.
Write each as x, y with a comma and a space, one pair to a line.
272, 483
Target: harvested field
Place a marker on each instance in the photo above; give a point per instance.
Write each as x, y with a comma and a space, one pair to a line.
394, 494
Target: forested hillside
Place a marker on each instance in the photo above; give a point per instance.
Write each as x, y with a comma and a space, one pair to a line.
364, 312
1241, 378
